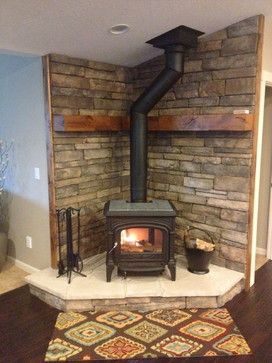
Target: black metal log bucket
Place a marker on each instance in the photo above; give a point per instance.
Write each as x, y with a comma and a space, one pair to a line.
199, 260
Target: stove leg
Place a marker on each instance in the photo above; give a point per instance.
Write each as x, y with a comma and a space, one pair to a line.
109, 272
172, 269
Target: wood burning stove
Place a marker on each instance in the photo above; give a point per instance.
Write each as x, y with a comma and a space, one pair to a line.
141, 233
140, 237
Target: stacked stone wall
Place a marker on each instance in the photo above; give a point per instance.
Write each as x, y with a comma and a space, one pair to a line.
90, 168
205, 174
219, 75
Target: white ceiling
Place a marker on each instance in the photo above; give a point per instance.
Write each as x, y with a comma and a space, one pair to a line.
79, 28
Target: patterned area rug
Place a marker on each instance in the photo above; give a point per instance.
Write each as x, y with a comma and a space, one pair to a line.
138, 334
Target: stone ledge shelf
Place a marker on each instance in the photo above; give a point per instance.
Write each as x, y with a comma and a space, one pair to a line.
136, 292
227, 122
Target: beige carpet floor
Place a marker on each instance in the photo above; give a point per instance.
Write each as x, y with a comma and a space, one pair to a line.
11, 277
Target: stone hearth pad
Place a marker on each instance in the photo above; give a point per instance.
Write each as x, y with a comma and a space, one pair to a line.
93, 292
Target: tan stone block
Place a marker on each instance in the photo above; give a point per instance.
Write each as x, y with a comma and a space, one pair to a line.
196, 77
101, 74
227, 142
207, 159
60, 58
62, 80
157, 163
236, 161
72, 101
187, 141
189, 198
238, 196
212, 88
97, 153
235, 216
194, 217
68, 155
158, 186
235, 73
103, 66
235, 290
104, 85
240, 86
214, 221
67, 69
164, 177
107, 192
186, 90
246, 26
205, 45
73, 201
197, 150
234, 61
189, 166
192, 66
105, 104
206, 210
233, 253
175, 104
230, 183
226, 170
68, 173
181, 189
228, 204
239, 45
66, 191
201, 302
203, 101
234, 236
198, 183
64, 111
239, 100
48, 298
79, 305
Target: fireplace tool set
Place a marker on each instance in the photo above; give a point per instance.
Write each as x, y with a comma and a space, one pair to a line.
73, 261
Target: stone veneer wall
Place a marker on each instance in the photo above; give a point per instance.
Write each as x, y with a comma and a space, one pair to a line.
219, 76
206, 175
89, 166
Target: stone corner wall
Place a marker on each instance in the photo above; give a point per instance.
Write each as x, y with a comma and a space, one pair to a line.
205, 174
90, 168
219, 76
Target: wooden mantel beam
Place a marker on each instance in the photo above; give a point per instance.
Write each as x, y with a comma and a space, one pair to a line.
227, 122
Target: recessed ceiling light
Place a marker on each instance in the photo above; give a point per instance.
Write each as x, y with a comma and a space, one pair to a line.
119, 29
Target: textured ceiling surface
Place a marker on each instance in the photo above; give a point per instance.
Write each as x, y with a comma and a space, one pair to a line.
80, 28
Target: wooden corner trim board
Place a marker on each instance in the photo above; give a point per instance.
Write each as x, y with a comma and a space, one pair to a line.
50, 161
250, 265
227, 122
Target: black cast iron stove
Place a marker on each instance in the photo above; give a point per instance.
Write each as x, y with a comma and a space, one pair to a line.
141, 233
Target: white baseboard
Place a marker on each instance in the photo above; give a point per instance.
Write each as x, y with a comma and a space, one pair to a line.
261, 251
22, 265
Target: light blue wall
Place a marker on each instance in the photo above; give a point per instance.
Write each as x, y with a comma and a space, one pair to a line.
22, 120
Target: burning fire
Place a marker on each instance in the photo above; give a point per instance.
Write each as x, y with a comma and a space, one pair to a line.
129, 237
137, 240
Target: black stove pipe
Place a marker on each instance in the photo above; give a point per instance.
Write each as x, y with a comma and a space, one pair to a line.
138, 133
174, 42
